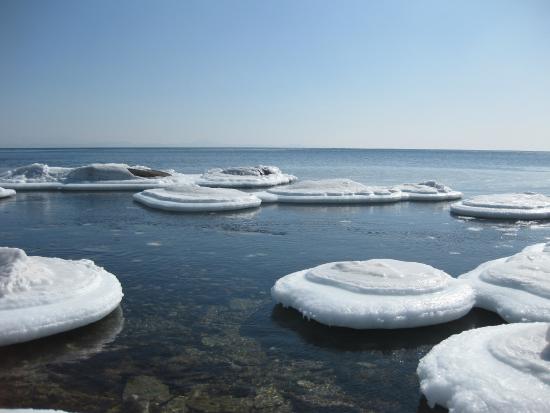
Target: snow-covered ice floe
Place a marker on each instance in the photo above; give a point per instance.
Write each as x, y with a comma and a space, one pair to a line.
516, 287
5, 193
245, 177
194, 198
107, 177
330, 191
503, 368
525, 206
42, 296
427, 191
378, 293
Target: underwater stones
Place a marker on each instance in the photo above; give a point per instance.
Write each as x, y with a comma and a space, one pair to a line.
516, 287
330, 191
527, 206
379, 293
42, 296
144, 394
503, 368
427, 191
245, 177
5, 193
193, 198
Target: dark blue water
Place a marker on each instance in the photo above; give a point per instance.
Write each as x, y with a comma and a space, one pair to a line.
197, 327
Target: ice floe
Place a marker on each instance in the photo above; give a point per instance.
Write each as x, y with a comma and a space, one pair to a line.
503, 368
427, 191
330, 191
524, 206
42, 296
245, 177
109, 177
378, 293
194, 198
516, 287
5, 193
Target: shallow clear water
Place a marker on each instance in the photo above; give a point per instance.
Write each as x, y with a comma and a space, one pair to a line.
197, 326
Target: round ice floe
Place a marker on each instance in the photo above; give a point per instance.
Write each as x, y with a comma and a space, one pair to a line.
194, 198
527, 205
330, 191
43, 296
516, 287
245, 177
106, 177
379, 293
428, 191
502, 368
4, 193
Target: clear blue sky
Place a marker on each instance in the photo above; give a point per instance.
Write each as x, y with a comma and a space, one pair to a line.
393, 74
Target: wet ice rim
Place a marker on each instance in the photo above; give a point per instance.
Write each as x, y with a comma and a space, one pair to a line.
194, 198
524, 206
94, 177
245, 177
378, 293
42, 296
517, 287
335, 191
503, 368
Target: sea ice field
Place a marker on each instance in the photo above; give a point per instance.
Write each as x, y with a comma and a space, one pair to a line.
197, 327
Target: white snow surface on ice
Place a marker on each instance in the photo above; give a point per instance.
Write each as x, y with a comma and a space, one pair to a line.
245, 177
516, 287
330, 191
5, 193
109, 177
42, 296
526, 206
428, 191
503, 368
194, 198
378, 293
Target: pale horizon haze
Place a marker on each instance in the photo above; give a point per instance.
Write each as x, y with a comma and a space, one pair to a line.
353, 74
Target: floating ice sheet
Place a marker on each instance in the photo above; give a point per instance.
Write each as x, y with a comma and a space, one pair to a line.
194, 198
43, 296
502, 368
245, 177
5, 193
525, 206
428, 191
330, 191
516, 287
94, 177
379, 293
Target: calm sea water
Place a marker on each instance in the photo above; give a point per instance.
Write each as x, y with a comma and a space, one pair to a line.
197, 327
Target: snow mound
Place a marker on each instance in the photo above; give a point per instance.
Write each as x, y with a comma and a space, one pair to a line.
5, 193
527, 205
428, 191
378, 293
107, 177
503, 368
516, 287
194, 198
245, 177
330, 191
43, 296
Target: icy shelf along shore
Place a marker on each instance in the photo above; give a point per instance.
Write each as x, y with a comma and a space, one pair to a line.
94, 177
194, 198
346, 191
42, 296
503, 368
245, 177
377, 294
5, 193
517, 287
525, 206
